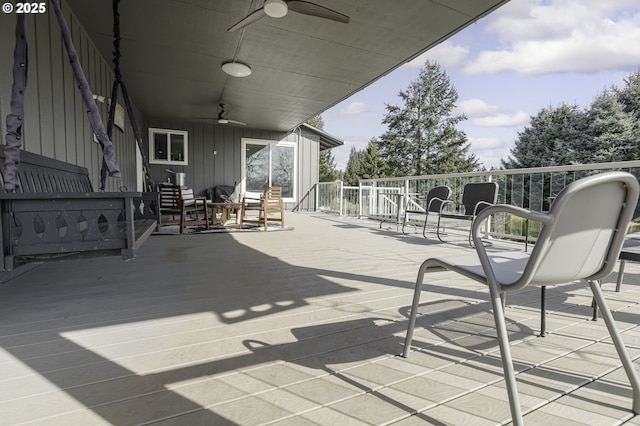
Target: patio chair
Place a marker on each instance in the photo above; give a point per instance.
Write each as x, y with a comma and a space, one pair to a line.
581, 239
432, 205
269, 206
176, 202
476, 196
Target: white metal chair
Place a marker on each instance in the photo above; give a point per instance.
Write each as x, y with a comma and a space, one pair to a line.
581, 239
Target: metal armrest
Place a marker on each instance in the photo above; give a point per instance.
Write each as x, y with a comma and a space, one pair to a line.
477, 206
541, 217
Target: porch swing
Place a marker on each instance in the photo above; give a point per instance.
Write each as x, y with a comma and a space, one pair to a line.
48, 210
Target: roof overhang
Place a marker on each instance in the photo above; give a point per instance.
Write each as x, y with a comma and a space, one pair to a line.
327, 141
172, 52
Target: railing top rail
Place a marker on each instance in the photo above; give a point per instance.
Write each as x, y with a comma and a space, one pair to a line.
530, 170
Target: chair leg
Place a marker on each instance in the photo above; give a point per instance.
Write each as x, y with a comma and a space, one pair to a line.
414, 307
619, 344
543, 311
438, 231
620, 276
206, 216
424, 226
505, 353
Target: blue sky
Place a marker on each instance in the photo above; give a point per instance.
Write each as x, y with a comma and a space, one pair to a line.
527, 55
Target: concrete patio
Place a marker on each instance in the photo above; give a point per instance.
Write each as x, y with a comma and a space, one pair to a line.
298, 327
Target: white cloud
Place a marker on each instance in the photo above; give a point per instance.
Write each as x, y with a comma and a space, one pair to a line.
475, 108
489, 150
562, 36
502, 120
355, 108
447, 54
482, 144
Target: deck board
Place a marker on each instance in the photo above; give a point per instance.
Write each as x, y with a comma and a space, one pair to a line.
297, 327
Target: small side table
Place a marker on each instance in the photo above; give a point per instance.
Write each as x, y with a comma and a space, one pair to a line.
226, 208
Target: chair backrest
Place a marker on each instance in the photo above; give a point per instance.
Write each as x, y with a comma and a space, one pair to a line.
434, 196
272, 199
170, 196
476, 192
589, 221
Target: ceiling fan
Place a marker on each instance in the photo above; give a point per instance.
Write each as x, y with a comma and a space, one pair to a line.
222, 117
279, 8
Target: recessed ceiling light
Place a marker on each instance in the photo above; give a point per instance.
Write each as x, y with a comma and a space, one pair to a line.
236, 69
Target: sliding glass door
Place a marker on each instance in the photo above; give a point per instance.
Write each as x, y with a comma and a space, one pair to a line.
269, 163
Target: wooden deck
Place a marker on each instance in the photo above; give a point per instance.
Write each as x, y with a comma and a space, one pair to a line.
297, 327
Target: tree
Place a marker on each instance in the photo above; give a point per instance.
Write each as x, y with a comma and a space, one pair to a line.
328, 171
629, 95
612, 130
371, 165
326, 160
352, 171
422, 137
556, 136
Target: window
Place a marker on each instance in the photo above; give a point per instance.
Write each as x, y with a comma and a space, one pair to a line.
269, 163
168, 146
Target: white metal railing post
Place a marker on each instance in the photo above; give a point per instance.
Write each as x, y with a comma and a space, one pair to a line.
373, 196
341, 196
405, 198
359, 199
487, 226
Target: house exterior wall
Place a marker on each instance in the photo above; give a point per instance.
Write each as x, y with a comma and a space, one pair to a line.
55, 122
206, 169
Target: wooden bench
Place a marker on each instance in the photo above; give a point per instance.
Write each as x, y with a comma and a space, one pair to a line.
56, 215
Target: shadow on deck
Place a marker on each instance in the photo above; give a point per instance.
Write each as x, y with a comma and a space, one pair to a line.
301, 327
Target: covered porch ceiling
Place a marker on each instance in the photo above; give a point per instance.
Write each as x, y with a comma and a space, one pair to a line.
302, 65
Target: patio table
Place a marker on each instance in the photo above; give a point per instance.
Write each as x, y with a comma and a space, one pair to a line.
226, 209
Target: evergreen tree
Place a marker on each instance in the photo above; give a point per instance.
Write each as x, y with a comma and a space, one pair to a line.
353, 172
328, 171
629, 95
422, 137
612, 130
556, 136
371, 165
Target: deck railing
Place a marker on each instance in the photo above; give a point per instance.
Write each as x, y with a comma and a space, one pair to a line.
531, 188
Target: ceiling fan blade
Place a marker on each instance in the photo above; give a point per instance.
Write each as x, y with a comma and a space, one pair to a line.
239, 123
307, 8
254, 16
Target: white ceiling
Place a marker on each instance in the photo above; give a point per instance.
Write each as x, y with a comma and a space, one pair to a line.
302, 65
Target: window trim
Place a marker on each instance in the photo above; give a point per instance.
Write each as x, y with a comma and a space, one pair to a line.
185, 134
270, 144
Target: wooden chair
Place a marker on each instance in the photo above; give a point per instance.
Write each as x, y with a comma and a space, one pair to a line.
270, 208
177, 201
